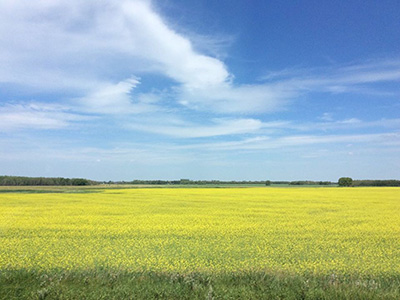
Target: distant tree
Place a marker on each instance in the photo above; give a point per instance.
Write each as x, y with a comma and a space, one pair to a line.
324, 183
345, 181
79, 181
268, 182
368, 182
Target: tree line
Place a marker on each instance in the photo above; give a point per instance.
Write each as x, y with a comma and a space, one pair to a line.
25, 181
347, 181
60, 181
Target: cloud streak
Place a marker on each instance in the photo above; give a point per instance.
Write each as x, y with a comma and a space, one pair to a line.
38, 116
191, 130
262, 143
342, 79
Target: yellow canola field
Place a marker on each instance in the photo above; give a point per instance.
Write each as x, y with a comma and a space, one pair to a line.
317, 230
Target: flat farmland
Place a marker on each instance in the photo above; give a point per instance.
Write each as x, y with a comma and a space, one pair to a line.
320, 242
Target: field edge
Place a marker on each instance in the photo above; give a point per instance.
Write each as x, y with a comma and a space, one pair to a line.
103, 283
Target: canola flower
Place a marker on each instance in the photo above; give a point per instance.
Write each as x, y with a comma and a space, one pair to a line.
315, 230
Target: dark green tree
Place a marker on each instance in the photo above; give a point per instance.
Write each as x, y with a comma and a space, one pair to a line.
345, 181
79, 181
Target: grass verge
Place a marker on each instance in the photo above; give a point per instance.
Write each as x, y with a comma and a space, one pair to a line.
117, 284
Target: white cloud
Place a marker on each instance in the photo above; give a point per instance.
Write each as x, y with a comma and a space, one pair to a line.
356, 78
262, 143
229, 99
94, 39
282, 87
154, 40
326, 117
190, 130
117, 99
37, 116
346, 124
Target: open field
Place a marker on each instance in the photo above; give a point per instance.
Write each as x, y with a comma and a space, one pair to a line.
197, 243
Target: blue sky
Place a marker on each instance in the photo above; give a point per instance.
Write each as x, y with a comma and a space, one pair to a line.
229, 90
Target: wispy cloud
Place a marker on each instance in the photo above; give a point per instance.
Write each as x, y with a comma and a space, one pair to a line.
346, 124
117, 99
262, 143
38, 116
191, 130
284, 87
355, 78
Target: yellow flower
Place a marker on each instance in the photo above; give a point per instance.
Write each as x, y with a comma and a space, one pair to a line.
317, 230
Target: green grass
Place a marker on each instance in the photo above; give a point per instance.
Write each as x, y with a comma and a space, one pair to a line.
116, 284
